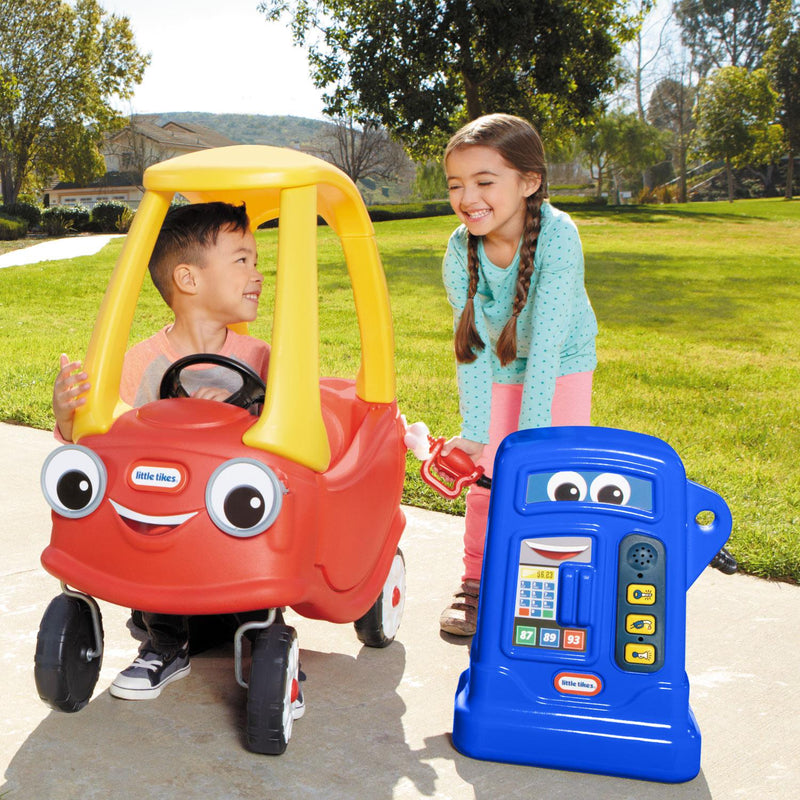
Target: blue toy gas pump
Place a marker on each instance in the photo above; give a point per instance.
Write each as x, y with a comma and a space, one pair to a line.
578, 661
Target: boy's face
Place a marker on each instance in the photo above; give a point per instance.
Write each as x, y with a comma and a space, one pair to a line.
229, 283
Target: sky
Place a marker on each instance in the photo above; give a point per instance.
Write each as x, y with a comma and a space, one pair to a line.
222, 56
219, 56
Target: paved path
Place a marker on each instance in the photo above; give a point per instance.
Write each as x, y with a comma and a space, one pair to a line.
378, 722
57, 249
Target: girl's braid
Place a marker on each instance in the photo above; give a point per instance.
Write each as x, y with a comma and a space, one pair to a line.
467, 339
507, 342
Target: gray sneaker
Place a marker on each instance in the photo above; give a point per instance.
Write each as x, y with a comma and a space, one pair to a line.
150, 673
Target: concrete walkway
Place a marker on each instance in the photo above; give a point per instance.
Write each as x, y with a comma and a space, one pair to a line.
57, 249
378, 722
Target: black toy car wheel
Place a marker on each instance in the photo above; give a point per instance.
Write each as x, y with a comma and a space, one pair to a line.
273, 688
64, 670
378, 627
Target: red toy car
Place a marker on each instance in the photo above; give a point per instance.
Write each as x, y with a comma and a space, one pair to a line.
187, 506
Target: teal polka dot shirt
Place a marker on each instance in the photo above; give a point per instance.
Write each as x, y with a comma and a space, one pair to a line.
555, 331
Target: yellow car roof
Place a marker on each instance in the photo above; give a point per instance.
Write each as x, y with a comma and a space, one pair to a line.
296, 188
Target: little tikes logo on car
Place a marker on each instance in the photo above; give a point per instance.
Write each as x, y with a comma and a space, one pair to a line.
155, 476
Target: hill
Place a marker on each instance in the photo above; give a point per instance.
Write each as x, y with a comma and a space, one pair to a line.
295, 132
300, 133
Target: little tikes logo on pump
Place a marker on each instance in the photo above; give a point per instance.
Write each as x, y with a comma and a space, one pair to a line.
155, 476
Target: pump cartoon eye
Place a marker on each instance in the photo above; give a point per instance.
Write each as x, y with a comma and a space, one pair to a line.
73, 481
610, 488
243, 497
566, 486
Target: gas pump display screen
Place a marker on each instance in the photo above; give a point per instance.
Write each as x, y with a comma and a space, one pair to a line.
536, 612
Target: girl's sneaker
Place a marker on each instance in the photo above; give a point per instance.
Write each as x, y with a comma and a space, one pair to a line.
461, 616
150, 673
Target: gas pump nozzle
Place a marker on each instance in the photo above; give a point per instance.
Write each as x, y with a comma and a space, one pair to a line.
450, 474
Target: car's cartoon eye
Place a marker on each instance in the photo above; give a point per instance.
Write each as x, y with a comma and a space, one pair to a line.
73, 481
243, 497
566, 486
610, 488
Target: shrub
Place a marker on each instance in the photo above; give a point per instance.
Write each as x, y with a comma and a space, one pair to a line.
58, 220
125, 219
577, 201
111, 216
30, 212
658, 194
436, 208
12, 228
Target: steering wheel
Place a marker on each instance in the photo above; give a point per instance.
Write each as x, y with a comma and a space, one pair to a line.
250, 393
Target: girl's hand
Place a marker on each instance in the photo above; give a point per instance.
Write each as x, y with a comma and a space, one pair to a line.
69, 393
473, 449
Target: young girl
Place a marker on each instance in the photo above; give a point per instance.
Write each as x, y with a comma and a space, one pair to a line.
524, 327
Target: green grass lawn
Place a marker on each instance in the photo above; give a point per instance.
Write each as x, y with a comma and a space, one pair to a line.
699, 343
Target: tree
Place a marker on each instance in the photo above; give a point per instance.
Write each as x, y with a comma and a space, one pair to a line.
596, 143
670, 109
430, 182
783, 65
362, 150
722, 33
764, 157
733, 114
422, 67
637, 57
622, 146
60, 66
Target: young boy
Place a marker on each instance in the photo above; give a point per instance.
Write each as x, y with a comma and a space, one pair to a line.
204, 264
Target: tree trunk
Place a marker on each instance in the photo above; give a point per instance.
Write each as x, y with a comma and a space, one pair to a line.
789, 193
599, 193
5, 181
729, 175
682, 192
472, 95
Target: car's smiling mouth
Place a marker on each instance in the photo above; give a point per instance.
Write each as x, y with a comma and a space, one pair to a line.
147, 524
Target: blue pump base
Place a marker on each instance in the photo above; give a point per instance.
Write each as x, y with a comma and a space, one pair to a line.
571, 739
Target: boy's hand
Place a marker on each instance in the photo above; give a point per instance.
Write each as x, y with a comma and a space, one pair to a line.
473, 449
69, 393
211, 393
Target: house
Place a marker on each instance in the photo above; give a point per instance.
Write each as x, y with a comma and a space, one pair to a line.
124, 187
128, 152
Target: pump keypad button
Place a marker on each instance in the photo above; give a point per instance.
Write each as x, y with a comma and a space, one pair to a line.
641, 624
636, 653
641, 594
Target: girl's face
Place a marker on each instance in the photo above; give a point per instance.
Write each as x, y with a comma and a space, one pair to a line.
487, 194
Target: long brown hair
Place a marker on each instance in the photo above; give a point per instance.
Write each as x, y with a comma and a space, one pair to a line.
519, 144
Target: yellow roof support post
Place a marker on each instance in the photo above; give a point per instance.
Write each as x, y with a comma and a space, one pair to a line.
375, 381
111, 331
291, 423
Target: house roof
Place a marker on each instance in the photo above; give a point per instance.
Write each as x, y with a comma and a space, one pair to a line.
107, 181
173, 133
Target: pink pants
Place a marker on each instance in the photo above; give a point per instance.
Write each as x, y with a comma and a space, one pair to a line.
572, 405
